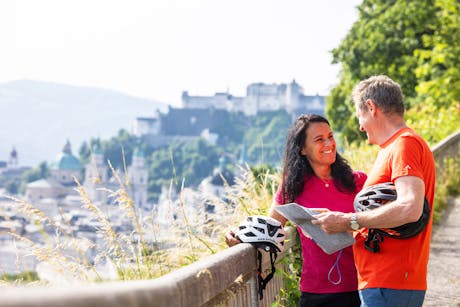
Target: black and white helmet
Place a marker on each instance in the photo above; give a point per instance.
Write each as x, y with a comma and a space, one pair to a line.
374, 196
377, 195
263, 232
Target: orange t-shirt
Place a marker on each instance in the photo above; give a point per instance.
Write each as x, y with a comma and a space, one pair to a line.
401, 263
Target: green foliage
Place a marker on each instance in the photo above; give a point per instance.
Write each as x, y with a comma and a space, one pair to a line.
447, 185
340, 111
19, 185
238, 123
191, 161
432, 123
289, 295
33, 174
360, 156
12, 186
266, 137
23, 277
438, 61
256, 140
416, 44
119, 150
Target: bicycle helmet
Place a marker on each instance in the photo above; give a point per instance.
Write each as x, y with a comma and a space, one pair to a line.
377, 195
374, 196
263, 232
266, 233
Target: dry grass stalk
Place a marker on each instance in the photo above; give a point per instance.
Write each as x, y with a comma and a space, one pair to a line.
194, 233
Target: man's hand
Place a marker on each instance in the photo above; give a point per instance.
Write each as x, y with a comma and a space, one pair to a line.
333, 221
230, 238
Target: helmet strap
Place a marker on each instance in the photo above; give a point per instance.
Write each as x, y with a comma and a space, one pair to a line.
372, 243
262, 282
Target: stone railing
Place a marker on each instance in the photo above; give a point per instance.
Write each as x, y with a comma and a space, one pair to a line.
227, 278
447, 148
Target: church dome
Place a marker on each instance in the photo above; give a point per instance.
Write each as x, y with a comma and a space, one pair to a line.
65, 160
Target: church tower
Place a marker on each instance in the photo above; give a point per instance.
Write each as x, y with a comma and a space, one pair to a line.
96, 175
13, 159
138, 178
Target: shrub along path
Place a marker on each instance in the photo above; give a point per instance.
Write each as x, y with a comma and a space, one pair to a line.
444, 263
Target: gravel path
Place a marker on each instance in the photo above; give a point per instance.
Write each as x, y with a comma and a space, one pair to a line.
444, 263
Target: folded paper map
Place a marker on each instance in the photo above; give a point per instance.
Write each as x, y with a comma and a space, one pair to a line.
302, 216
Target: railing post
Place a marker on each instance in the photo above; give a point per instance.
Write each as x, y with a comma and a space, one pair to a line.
254, 293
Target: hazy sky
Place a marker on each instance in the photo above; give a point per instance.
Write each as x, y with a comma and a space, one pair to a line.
158, 48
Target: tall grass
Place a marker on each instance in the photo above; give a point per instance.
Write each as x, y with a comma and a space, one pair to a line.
149, 250
152, 249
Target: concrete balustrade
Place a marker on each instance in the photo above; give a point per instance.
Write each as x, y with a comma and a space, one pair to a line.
447, 148
227, 278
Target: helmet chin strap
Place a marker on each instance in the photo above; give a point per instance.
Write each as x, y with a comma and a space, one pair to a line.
262, 282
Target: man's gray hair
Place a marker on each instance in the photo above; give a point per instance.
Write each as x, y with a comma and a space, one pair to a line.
383, 91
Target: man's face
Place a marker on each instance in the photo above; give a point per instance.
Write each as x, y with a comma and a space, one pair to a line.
365, 123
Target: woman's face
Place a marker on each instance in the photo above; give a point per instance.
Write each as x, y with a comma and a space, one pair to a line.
319, 147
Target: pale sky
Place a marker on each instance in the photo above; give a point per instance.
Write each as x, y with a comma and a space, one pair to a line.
158, 48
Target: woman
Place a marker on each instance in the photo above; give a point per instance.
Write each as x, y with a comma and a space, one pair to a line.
316, 176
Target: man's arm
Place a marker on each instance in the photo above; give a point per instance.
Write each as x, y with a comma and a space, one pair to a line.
406, 208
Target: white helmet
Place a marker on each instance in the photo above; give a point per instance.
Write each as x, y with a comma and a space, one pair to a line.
262, 231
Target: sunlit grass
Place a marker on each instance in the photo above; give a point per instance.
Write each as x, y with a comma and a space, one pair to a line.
150, 250
185, 233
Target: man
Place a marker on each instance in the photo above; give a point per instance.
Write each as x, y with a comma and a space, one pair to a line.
396, 274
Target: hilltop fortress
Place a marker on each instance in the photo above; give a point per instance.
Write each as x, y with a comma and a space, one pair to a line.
199, 114
259, 97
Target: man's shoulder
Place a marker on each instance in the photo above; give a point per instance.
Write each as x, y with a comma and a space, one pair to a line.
409, 137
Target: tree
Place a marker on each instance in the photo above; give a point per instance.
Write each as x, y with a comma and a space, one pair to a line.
437, 106
382, 41
33, 174
266, 138
190, 161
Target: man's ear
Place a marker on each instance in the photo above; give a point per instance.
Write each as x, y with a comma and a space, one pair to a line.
371, 106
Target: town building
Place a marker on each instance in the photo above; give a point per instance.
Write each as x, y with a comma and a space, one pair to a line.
67, 169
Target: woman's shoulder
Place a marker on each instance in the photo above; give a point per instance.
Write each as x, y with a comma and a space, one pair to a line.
360, 178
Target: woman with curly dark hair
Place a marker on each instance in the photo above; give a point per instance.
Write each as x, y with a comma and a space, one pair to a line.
314, 175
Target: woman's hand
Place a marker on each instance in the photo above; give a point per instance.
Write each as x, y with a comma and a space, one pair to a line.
230, 238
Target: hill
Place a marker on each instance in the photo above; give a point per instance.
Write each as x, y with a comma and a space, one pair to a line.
38, 117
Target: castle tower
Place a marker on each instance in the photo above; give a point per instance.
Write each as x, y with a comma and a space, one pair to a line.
138, 178
293, 92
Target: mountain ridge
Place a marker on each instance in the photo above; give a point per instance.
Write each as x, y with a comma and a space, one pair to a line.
38, 117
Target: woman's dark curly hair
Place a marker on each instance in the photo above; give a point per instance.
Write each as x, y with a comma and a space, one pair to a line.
297, 168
